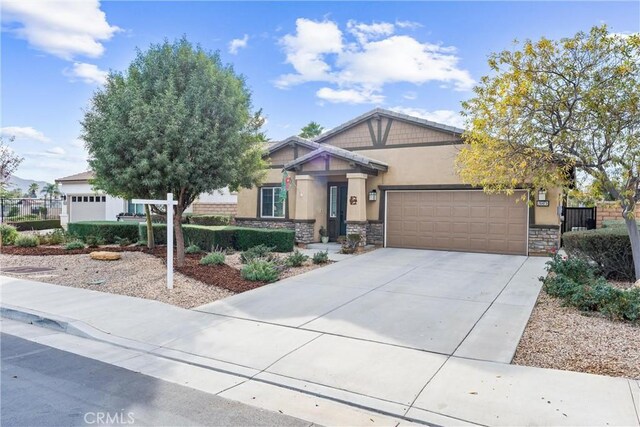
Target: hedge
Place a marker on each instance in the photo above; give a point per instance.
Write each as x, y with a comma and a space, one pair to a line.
209, 219
40, 224
106, 230
609, 248
239, 238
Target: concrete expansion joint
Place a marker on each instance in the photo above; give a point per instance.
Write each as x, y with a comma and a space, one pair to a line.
83, 330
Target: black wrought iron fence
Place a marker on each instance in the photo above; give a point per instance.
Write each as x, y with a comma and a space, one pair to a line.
578, 219
27, 209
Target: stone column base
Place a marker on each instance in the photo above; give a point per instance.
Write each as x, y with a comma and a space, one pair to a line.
375, 233
543, 239
358, 227
304, 231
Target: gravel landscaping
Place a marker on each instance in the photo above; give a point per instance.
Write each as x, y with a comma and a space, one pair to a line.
565, 338
137, 274
140, 273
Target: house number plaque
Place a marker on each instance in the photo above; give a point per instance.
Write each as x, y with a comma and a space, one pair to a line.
353, 200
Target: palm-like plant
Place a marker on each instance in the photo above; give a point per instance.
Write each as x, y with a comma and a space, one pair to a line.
50, 190
33, 189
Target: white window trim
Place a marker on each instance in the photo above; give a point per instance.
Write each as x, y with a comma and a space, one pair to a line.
273, 203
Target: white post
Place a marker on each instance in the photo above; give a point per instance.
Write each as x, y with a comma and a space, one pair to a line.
169, 241
169, 203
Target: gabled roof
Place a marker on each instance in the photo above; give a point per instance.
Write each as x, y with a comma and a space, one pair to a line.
292, 140
82, 176
340, 153
391, 114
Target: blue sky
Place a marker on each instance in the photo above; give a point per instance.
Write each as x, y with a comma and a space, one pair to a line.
322, 61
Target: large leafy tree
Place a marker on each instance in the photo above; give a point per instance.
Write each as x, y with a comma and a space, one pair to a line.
553, 110
311, 130
177, 121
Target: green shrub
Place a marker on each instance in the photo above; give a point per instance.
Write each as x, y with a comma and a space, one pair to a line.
193, 249
76, 244
35, 224
260, 270
609, 248
9, 234
106, 230
259, 251
281, 240
13, 211
210, 219
26, 241
213, 258
56, 237
121, 241
351, 243
576, 284
321, 257
238, 238
93, 241
296, 259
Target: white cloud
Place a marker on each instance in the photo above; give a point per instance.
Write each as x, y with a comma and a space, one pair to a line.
88, 73
445, 117
24, 133
78, 143
410, 95
236, 44
306, 51
60, 27
361, 62
365, 32
56, 151
408, 24
349, 96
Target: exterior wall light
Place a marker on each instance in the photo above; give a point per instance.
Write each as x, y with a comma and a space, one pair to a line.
542, 195
373, 195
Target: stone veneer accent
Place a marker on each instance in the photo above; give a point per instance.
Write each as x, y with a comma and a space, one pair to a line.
200, 208
543, 239
360, 228
265, 223
375, 233
304, 231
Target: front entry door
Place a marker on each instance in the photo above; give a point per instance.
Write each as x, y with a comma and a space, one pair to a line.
337, 210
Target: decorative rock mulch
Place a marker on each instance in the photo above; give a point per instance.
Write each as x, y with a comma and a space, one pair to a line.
565, 338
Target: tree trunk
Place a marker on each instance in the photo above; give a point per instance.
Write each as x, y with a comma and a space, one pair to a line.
634, 236
150, 239
177, 226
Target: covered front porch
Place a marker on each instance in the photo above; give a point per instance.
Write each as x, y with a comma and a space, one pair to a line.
331, 192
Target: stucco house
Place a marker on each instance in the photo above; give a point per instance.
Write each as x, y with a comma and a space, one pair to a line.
84, 203
390, 177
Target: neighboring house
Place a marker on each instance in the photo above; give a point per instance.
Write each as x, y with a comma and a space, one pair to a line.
83, 203
391, 178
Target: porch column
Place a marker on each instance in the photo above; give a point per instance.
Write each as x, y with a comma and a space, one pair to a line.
304, 218
357, 205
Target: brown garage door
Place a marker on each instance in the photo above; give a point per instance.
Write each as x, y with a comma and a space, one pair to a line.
461, 220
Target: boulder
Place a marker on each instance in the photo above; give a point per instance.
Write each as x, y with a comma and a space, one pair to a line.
105, 256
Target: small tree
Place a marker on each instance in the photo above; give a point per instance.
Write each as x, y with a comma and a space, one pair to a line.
177, 121
556, 108
33, 189
311, 130
9, 162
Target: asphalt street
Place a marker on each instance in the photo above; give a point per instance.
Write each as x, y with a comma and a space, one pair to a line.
43, 386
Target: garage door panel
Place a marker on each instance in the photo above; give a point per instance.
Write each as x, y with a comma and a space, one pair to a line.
457, 220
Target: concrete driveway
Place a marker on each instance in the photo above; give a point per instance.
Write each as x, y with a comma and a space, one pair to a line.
450, 303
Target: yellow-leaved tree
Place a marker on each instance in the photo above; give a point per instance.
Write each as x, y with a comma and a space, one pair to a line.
554, 108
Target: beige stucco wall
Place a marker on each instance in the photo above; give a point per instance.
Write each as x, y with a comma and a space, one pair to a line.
549, 215
248, 198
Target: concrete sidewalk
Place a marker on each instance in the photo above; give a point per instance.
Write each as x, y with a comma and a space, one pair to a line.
318, 376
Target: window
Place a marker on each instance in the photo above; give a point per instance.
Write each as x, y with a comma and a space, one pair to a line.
85, 199
91, 198
104, 198
271, 206
333, 201
135, 208
73, 198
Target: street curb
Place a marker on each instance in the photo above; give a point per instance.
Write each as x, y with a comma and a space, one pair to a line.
83, 330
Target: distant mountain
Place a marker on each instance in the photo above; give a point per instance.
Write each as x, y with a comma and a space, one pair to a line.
23, 184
